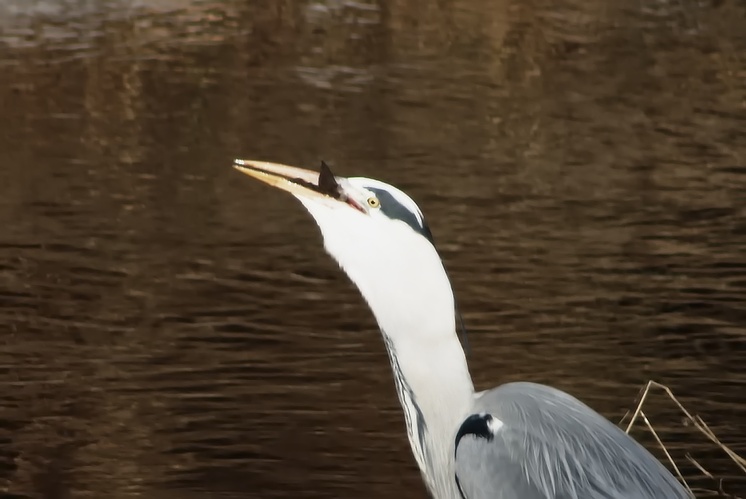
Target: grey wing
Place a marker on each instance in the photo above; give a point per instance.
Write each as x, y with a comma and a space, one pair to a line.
529, 441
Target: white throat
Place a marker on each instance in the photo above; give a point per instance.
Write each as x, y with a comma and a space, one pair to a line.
401, 276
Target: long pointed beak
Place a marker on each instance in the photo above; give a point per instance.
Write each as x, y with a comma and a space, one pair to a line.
296, 181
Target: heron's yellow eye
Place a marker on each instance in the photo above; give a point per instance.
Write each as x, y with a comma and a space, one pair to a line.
373, 202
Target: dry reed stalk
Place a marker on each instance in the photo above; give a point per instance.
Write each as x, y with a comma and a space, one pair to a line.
698, 423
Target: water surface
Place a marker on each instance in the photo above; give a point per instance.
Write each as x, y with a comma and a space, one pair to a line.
171, 329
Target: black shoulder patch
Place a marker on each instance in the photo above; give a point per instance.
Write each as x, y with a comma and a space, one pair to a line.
476, 424
395, 210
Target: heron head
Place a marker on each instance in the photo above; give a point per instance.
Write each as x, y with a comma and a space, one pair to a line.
362, 200
379, 237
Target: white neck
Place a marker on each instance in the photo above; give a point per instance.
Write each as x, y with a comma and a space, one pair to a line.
435, 391
401, 276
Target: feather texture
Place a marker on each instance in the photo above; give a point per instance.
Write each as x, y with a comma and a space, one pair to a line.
550, 445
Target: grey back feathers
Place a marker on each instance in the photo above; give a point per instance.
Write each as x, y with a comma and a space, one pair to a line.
532, 441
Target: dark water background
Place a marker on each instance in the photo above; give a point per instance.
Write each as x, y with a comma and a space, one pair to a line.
171, 329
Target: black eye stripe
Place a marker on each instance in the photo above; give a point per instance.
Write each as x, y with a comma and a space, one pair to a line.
397, 211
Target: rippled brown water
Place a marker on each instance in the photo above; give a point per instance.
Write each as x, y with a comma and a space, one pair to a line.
172, 330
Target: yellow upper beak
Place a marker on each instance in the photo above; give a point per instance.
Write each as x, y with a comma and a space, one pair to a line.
288, 178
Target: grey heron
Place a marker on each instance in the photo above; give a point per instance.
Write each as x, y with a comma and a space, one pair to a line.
517, 441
